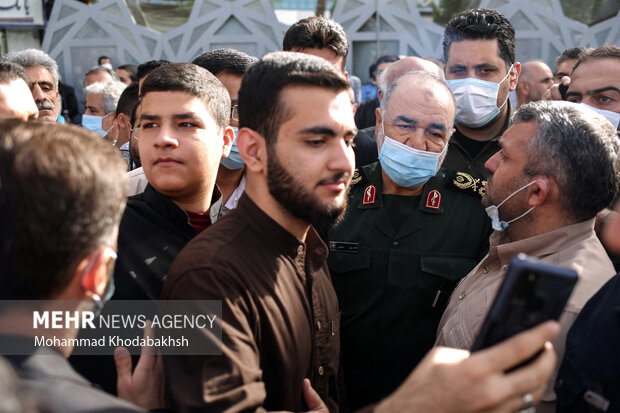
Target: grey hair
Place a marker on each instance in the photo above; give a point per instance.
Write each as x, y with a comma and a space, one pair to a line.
579, 149
383, 82
98, 69
419, 74
111, 92
34, 57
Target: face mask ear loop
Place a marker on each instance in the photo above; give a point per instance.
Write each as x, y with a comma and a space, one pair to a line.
504, 224
516, 192
508, 95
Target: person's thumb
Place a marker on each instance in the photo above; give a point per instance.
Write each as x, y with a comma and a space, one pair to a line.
123, 362
313, 400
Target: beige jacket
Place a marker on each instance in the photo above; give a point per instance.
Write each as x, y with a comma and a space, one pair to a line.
574, 246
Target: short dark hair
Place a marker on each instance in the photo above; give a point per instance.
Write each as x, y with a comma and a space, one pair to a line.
194, 80
572, 53
101, 58
230, 61
10, 71
568, 139
388, 58
147, 67
128, 100
132, 70
475, 24
62, 195
602, 52
260, 105
317, 33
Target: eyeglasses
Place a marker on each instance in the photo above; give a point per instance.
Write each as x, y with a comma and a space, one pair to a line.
234, 112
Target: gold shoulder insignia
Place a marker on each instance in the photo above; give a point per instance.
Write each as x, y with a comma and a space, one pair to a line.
466, 182
356, 177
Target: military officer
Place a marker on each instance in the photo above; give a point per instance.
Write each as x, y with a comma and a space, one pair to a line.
411, 231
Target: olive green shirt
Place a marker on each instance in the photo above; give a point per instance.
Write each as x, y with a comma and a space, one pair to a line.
394, 269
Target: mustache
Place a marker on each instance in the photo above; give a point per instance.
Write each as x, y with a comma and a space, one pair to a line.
44, 104
341, 176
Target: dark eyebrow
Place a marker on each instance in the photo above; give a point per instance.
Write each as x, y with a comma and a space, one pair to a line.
573, 93
605, 89
405, 119
485, 64
438, 126
145, 116
324, 130
43, 82
188, 115
318, 130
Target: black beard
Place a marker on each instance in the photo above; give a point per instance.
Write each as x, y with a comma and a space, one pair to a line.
291, 195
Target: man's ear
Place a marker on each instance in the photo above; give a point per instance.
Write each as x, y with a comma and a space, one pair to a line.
123, 121
541, 191
514, 75
253, 150
229, 138
379, 119
94, 272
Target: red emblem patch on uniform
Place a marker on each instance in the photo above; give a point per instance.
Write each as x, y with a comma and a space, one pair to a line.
433, 199
370, 193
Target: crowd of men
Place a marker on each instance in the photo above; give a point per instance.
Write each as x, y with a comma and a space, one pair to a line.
355, 262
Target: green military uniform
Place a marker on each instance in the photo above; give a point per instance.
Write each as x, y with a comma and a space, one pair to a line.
394, 260
459, 159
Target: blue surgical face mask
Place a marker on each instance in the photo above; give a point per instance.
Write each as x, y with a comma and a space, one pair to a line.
493, 211
234, 161
476, 100
612, 117
94, 124
406, 166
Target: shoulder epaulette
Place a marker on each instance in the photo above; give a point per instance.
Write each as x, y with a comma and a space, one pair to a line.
464, 182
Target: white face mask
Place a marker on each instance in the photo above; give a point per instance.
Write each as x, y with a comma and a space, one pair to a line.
493, 211
612, 117
476, 100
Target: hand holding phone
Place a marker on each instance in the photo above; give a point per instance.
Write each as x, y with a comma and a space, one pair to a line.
532, 292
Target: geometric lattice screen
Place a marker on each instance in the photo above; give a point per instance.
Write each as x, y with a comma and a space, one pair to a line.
542, 29
77, 33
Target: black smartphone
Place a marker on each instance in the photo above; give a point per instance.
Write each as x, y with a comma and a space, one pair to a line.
563, 89
532, 292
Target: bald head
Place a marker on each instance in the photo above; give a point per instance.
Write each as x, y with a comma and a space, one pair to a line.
407, 64
535, 78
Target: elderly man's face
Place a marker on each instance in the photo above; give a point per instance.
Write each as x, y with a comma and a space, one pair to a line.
419, 114
16, 101
44, 92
